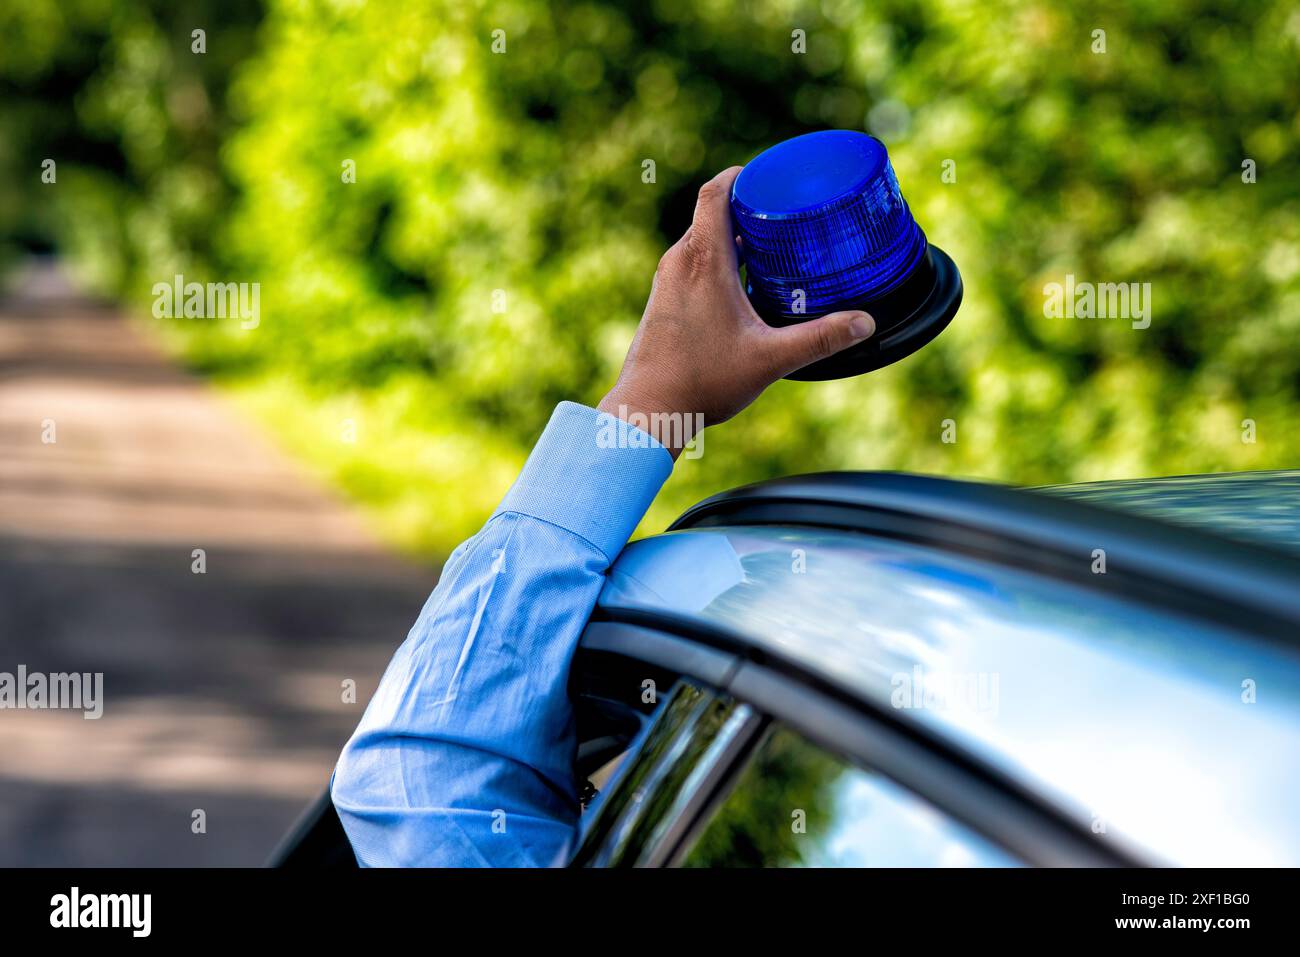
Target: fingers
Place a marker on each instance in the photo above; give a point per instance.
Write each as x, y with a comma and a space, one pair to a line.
793, 347
713, 206
711, 234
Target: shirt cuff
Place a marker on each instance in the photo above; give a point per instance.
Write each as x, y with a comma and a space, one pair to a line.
592, 474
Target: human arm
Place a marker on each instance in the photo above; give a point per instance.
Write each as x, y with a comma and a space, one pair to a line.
464, 756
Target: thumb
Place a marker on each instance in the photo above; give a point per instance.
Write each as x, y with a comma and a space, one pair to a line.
794, 347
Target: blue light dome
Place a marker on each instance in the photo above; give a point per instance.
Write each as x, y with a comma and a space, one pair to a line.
823, 225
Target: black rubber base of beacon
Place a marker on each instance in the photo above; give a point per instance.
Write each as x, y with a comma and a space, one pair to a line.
906, 319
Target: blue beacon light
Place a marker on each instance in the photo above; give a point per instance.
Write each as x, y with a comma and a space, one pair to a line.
823, 228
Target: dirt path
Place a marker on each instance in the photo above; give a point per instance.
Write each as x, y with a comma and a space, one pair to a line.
223, 691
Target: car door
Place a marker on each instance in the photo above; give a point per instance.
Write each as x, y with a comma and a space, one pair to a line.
741, 765
1073, 685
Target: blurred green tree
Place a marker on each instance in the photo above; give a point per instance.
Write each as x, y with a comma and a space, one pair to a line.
494, 252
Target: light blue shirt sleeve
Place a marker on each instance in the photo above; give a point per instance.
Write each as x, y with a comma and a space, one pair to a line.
465, 755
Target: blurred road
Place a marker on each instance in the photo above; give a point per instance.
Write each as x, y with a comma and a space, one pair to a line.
223, 690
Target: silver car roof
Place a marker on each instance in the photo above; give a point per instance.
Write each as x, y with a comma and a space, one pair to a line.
1259, 507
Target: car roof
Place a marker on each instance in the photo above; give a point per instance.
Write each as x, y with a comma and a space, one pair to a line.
1258, 507
1200, 569
1118, 691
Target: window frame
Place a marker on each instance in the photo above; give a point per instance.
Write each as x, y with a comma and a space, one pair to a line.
601, 840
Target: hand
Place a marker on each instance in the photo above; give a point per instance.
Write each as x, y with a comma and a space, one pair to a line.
701, 353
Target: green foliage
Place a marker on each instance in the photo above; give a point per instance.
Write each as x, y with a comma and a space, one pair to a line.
522, 172
134, 120
779, 812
